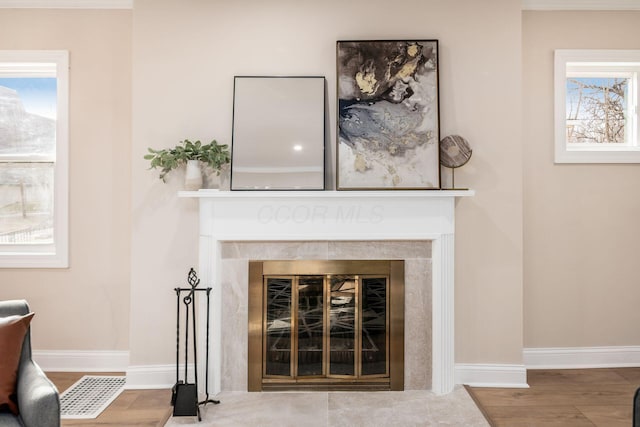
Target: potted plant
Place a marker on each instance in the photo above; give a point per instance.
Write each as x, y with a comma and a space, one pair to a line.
213, 156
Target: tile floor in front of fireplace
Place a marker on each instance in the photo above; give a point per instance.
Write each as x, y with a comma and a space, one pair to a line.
352, 409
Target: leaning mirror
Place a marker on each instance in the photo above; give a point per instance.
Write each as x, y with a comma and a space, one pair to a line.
278, 133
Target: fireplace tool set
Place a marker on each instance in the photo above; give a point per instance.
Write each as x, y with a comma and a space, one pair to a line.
184, 395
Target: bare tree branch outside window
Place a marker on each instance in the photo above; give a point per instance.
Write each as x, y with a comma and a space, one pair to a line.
596, 110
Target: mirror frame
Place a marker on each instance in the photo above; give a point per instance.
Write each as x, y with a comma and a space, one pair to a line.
277, 126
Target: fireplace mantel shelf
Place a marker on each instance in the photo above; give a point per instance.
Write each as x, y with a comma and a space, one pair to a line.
221, 194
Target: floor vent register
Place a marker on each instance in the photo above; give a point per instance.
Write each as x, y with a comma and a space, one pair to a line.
91, 395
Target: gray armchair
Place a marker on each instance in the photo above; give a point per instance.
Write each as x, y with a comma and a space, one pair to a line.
38, 399
636, 409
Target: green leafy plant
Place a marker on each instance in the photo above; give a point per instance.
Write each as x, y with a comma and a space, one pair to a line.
213, 155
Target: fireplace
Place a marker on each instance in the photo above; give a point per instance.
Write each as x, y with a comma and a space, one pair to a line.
326, 325
229, 219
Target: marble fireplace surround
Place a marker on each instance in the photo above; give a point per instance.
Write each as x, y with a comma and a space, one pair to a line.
417, 226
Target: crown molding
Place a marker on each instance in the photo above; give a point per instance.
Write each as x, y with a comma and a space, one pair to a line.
66, 4
580, 4
128, 4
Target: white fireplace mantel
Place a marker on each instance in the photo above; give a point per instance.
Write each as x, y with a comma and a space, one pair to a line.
227, 216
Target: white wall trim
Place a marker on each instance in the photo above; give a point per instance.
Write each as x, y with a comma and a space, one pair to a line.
81, 360
580, 5
151, 376
66, 4
128, 4
582, 357
476, 375
156, 376
490, 375
53, 64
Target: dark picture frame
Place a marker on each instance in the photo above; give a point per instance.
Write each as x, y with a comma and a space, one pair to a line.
388, 118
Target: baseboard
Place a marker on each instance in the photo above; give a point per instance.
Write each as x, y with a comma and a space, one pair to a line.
475, 375
155, 376
582, 357
489, 375
151, 376
81, 360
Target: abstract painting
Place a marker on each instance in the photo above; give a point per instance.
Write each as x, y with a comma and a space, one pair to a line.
388, 115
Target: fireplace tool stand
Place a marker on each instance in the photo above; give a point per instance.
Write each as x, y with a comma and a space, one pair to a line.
184, 395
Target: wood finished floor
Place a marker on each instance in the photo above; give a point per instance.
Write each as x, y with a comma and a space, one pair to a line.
131, 408
567, 398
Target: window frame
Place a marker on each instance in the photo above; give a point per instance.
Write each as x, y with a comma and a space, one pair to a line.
592, 61
55, 255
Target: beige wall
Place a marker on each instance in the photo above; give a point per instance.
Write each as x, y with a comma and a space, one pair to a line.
582, 236
85, 307
185, 54
577, 259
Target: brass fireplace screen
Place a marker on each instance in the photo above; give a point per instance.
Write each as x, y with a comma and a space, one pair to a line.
326, 325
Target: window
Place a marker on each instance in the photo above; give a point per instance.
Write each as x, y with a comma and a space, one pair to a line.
33, 159
596, 106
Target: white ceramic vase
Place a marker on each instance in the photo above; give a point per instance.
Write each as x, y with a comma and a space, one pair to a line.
193, 176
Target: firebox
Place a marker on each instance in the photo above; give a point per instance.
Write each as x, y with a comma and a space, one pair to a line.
326, 325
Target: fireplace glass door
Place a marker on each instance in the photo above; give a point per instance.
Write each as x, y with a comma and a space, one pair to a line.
323, 327
326, 325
